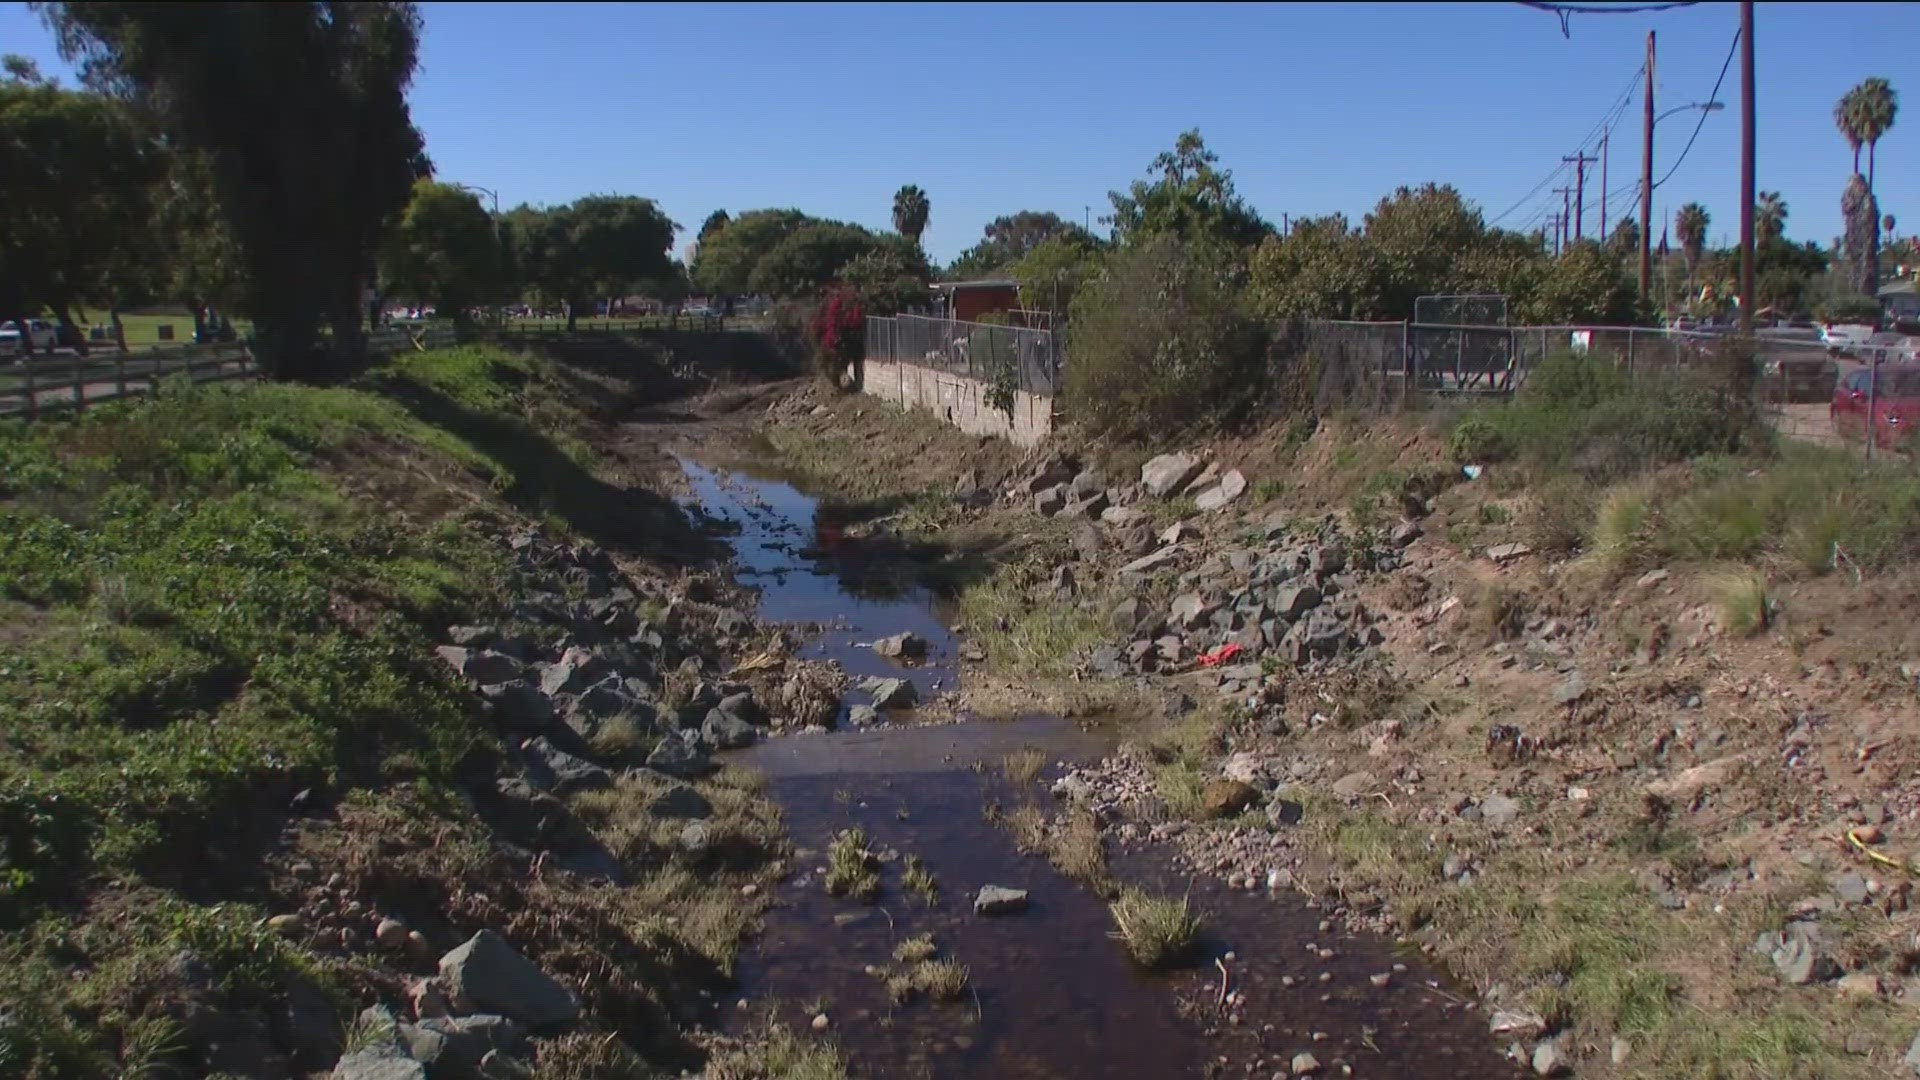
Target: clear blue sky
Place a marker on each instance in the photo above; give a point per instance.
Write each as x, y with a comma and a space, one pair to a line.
992, 109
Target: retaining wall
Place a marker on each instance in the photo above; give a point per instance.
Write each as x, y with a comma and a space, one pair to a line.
958, 400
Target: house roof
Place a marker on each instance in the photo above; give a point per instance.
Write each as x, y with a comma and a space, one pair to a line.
990, 283
1899, 288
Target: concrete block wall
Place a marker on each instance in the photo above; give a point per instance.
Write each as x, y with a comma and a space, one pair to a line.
959, 401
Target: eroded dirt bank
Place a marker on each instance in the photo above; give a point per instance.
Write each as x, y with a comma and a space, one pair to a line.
1632, 824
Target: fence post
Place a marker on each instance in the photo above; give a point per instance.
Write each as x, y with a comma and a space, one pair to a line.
1407, 374
1873, 396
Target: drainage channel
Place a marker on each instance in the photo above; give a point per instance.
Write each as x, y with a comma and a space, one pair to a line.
1051, 994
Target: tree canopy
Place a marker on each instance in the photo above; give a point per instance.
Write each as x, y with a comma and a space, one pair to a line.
809, 258
596, 246
911, 209
444, 250
1009, 238
301, 111
1187, 196
724, 263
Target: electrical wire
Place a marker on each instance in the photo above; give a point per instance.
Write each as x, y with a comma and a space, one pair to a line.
1713, 96
1566, 12
1607, 120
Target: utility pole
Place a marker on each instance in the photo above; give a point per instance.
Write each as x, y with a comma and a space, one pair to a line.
1556, 231
1579, 162
1646, 183
1566, 212
1604, 132
1746, 167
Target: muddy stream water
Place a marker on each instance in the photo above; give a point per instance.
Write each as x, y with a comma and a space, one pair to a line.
1052, 995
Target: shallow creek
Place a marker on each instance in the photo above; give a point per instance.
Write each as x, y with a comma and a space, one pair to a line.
1052, 995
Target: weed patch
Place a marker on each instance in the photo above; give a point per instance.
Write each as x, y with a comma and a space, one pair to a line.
1158, 930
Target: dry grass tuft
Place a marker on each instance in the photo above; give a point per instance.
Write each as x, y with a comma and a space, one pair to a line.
915, 949
1023, 766
850, 867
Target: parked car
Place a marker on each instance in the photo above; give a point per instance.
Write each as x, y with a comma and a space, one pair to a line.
42, 334
1890, 408
1799, 375
1889, 347
1841, 339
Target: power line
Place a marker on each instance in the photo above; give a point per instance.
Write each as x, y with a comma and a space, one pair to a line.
1607, 120
1566, 12
1713, 96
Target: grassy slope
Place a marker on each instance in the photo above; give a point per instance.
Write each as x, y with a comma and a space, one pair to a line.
215, 599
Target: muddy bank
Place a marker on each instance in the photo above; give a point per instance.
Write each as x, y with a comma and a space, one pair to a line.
1050, 992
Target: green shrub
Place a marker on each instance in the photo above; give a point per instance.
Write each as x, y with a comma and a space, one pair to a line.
1587, 417
1477, 440
1160, 344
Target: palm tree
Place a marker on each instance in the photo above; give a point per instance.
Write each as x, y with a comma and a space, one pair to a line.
1878, 106
1691, 225
910, 211
1846, 117
1769, 216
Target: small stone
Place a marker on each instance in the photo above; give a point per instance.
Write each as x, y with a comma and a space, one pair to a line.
749, 890
1859, 984
892, 693
1620, 1051
820, 1022
1550, 1060
290, 924
1869, 834
1499, 811
999, 900
417, 944
1570, 692
1381, 980
390, 934
903, 646
1305, 1064
1851, 888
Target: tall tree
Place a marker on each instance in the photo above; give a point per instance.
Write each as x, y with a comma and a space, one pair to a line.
910, 212
715, 222
1873, 113
1624, 240
598, 246
1009, 238
1861, 213
1769, 216
301, 111
445, 250
1186, 196
79, 176
1690, 225
724, 263
1847, 117
810, 258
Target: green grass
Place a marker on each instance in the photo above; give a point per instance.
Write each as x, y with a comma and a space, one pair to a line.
850, 867
776, 1053
916, 878
209, 600
1158, 930
1026, 635
1746, 607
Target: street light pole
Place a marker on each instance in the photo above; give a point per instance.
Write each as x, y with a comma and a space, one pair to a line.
1646, 181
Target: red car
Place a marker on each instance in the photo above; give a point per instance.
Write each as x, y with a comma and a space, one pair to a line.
1895, 404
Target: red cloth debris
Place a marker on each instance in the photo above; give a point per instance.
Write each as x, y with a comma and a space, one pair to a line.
1220, 655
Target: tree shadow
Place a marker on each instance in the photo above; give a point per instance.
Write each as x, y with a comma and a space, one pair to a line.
547, 482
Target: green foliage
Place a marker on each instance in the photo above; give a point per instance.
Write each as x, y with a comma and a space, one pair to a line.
889, 278
1850, 308
1583, 285
1690, 224
808, 259
597, 246
1478, 440
1320, 270
300, 110
1188, 198
910, 211
1052, 272
1010, 238
80, 177
201, 612
444, 250
1577, 415
724, 263
1159, 342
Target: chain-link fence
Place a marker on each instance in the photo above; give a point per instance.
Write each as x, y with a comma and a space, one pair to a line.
981, 351
1808, 391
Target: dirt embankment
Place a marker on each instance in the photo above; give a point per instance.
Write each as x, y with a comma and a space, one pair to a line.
1659, 816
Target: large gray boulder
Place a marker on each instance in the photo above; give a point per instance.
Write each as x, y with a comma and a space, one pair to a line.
906, 645
892, 693
482, 667
487, 975
725, 731
553, 769
1168, 473
676, 758
999, 900
376, 1065
452, 1047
